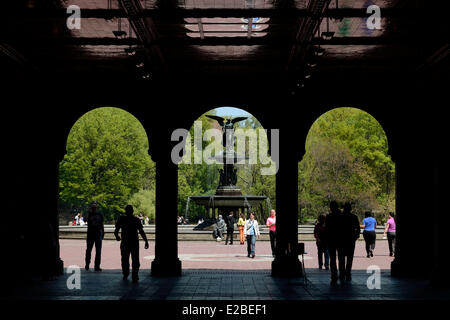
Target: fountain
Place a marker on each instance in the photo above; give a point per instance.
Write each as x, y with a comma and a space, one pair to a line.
228, 196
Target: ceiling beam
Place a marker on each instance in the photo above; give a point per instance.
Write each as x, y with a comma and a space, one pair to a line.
176, 13
269, 40
145, 32
306, 28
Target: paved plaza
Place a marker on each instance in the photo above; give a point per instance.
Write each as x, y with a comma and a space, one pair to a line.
201, 284
213, 271
215, 255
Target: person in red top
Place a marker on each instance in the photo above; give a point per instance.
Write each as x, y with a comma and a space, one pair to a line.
271, 223
322, 250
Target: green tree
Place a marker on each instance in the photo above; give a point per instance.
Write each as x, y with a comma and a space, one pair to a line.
107, 160
346, 159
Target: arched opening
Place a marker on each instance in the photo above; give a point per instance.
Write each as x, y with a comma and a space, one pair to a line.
347, 160
106, 161
206, 190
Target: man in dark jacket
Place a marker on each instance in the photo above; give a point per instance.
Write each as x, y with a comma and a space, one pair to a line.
230, 221
95, 235
332, 236
130, 226
350, 233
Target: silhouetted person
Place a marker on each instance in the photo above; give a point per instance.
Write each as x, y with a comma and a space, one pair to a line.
230, 228
220, 228
251, 231
321, 242
130, 226
390, 230
95, 235
333, 224
350, 233
369, 225
271, 223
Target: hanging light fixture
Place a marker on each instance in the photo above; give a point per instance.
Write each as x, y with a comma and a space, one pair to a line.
328, 35
130, 51
109, 7
338, 16
318, 51
120, 34
139, 65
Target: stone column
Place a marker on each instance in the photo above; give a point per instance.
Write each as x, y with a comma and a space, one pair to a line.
414, 209
286, 263
166, 261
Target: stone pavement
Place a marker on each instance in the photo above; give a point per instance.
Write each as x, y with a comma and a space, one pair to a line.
213, 271
214, 255
227, 285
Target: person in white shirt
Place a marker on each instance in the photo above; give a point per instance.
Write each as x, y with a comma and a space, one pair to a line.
77, 219
251, 232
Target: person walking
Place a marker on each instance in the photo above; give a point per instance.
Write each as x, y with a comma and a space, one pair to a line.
271, 223
332, 226
130, 226
319, 235
230, 228
95, 235
241, 224
369, 225
390, 231
251, 231
350, 233
341, 232
220, 228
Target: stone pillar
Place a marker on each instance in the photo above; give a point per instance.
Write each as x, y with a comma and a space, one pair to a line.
286, 263
166, 261
414, 210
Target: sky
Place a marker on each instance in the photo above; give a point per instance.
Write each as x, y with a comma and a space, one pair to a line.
230, 111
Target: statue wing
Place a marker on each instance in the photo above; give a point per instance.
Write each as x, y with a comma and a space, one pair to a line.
233, 121
220, 120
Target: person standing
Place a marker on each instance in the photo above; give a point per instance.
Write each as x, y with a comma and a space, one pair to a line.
350, 233
220, 228
319, 234
82, 223
390, 230
271, 223
130, 227
369, 225
77, 219
332, 228
141, 218
251, 231
230, 228
241, 223
95, 235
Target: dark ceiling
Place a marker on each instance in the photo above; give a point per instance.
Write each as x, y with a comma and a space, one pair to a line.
238, 40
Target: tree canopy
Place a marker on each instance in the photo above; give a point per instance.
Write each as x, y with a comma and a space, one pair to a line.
346, 159
107, 161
